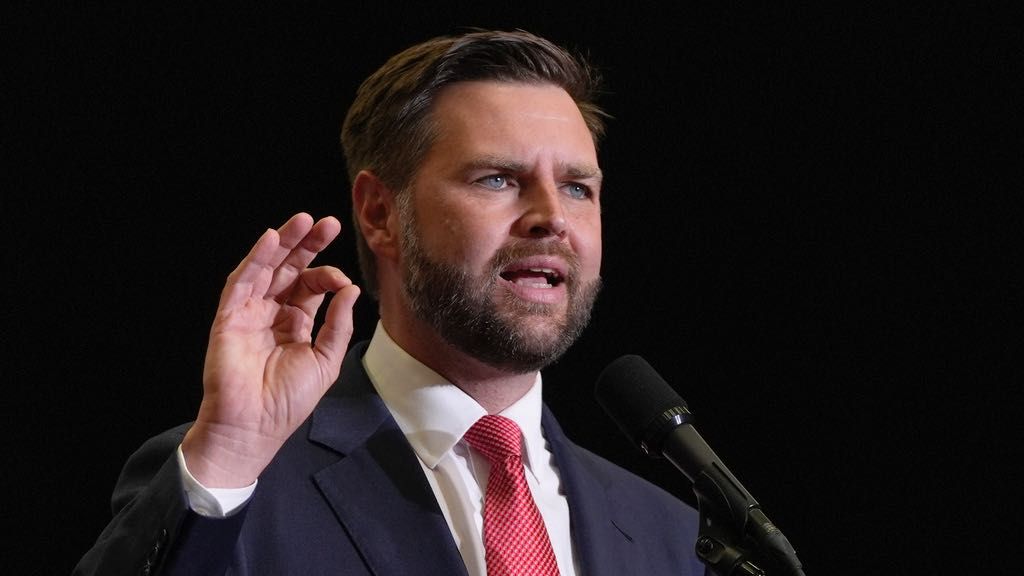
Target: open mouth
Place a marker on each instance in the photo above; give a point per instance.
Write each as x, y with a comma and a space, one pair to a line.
534, 277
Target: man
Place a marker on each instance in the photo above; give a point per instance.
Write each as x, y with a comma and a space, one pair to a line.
476, 203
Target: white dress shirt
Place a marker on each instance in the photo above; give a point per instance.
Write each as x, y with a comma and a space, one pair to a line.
434, 415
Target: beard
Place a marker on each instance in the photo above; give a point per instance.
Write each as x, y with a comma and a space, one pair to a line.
512, 335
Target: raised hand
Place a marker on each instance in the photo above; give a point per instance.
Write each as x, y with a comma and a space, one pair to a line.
264, 373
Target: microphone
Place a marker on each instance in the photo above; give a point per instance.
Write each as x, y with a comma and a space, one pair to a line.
659, 422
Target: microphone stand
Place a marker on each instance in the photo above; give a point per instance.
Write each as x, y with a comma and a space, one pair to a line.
735, 538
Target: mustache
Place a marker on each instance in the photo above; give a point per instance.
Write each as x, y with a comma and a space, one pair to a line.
519, 249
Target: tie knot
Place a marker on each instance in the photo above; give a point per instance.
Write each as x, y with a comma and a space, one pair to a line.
496, 437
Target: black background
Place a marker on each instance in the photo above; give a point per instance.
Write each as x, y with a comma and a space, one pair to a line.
809, 218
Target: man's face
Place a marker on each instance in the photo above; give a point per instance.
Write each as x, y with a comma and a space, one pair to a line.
502, 224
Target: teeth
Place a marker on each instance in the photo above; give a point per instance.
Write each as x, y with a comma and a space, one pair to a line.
542, 270
533, 283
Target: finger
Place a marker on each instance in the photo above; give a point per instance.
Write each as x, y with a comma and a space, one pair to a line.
308, 291
290, 234
336, 332
300, 253
242, 280
254, 273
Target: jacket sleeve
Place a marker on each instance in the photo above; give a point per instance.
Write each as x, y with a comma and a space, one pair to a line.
153, 531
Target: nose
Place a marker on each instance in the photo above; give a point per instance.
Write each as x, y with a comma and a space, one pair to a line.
544, 214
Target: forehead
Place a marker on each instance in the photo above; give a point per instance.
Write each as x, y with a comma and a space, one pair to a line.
511, 117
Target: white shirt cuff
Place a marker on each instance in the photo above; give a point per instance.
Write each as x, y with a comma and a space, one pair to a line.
212, 502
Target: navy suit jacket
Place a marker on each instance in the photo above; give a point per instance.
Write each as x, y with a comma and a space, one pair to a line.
346, 495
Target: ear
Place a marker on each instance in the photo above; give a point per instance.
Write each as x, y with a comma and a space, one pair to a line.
376, 214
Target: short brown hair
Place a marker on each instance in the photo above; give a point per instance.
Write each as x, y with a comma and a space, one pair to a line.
388, 128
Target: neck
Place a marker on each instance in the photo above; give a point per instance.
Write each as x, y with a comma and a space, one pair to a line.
498, 393
492, 388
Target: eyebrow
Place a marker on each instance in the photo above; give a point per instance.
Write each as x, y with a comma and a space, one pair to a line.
584, 172
580, 171
491, 161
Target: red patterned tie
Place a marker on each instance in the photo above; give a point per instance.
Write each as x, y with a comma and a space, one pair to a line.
515, 540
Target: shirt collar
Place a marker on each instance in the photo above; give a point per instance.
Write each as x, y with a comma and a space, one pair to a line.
433, 413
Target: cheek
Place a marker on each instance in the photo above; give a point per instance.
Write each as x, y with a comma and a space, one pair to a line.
440, 227
588, 246
480, 241
462, 239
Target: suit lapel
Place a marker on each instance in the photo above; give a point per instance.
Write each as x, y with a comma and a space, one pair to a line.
379, 493
378, 490
601, 543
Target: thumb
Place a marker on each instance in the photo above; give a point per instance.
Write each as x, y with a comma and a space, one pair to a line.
333, 338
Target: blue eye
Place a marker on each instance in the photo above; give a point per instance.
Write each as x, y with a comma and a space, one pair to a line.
577, 191
494, 181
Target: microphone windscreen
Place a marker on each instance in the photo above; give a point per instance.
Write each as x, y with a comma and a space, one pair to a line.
635, 396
